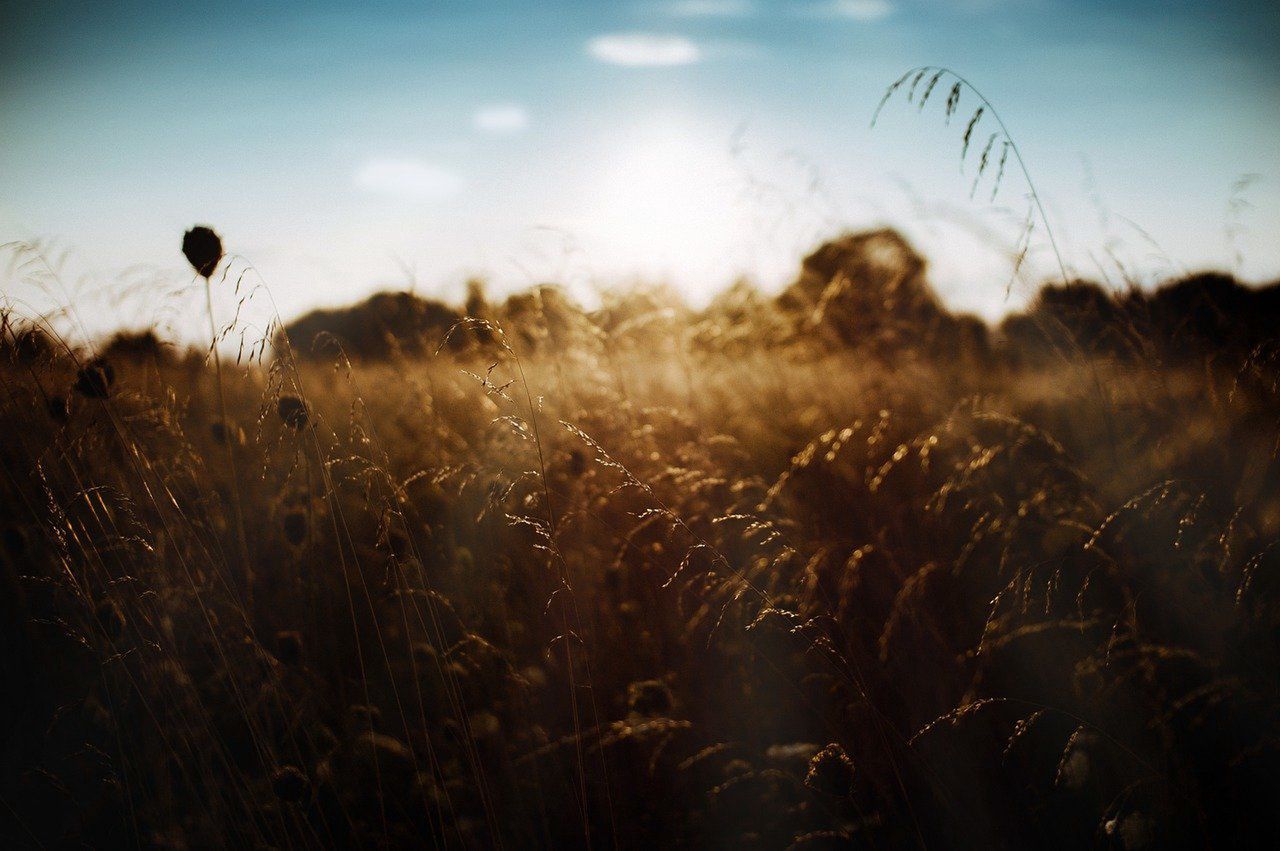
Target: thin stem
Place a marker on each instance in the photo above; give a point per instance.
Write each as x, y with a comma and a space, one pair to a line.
537, 442
228, 440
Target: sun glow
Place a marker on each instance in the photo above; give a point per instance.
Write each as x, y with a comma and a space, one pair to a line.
663, 201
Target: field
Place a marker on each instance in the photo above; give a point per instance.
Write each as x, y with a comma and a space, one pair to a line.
833, 569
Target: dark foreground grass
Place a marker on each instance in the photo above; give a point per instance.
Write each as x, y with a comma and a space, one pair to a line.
834, 570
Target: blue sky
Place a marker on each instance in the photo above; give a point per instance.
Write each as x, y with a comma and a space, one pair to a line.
342, 148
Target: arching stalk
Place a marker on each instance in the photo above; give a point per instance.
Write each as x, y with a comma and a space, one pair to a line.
987, 107
917, 74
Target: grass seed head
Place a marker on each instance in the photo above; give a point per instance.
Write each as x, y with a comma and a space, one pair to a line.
289, 647
94, 379
364, 717
822, 840
577, 463
289, 784
58, 408
830, 772
293, 412
220, 431
32, 346
110, 618
649, 697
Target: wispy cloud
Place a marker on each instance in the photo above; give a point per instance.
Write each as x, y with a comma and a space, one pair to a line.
407, 179
858, 10
710, 8
501, 118
640, 49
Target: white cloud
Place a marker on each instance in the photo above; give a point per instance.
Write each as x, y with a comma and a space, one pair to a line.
409, 179
859, 10
710, 8
501, 118
639, 50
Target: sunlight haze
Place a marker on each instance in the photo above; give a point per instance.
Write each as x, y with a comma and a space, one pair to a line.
696, 142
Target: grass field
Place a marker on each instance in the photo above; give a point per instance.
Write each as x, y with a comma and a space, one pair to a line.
833, 569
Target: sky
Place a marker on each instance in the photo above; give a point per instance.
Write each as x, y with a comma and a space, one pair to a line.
345, 148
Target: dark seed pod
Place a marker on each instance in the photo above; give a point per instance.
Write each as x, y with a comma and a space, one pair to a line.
649, 697
613, 580
94, 379
577, 463
203, 249
59, 408
289, 647
292, 411
222, 433
295, 527
289, 784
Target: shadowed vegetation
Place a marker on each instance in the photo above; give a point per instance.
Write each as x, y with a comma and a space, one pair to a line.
835, 568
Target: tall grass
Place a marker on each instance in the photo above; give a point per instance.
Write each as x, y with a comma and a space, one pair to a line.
771, 584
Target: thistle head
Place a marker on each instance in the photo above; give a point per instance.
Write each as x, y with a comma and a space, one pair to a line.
203, 249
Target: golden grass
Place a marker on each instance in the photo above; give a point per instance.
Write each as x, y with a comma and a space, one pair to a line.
644, 578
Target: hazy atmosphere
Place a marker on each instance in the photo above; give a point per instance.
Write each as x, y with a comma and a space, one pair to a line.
688, 424
344, 149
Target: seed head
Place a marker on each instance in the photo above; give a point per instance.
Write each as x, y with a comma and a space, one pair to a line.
289, 647
484, 725
94, 379
292, 411
821, 840
226, 433
203, 249
110, 618
32, 345
59, 408
295, 527
289, 784
649, 697
423, 653
830, 772
364, 717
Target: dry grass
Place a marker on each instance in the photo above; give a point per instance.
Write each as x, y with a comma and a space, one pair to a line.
649, 577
